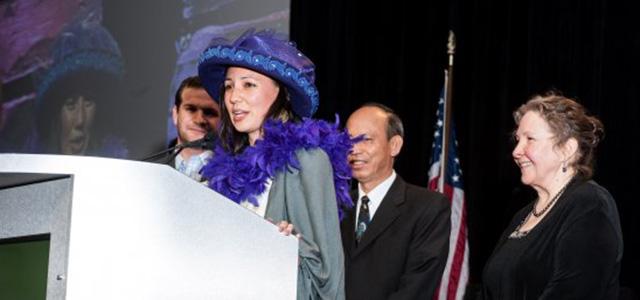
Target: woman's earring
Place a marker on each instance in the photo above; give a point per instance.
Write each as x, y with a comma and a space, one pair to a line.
564, 167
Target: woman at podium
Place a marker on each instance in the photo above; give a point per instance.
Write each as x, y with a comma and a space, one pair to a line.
272, 158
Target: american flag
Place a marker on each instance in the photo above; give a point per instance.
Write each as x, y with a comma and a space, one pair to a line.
456, 272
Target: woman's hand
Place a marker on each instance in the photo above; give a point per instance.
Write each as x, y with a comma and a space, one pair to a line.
287, 229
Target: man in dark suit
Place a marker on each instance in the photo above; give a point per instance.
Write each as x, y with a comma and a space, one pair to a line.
396, 239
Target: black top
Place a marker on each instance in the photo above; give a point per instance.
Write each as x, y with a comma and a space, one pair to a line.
573, 253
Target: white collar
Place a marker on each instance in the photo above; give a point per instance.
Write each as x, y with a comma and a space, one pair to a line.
376, 195
203, 157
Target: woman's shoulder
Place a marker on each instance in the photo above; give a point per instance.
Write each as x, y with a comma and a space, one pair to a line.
588, 196
311, 142
312, 156
590, 202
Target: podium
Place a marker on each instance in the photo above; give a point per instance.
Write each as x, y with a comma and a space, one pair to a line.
119, 229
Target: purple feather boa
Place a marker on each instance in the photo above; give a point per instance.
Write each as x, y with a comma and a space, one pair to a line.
242, 177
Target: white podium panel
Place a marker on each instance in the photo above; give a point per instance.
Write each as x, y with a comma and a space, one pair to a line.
132, 230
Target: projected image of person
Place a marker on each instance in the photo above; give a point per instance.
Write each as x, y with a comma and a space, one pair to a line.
27, 32
273, 159
80, 104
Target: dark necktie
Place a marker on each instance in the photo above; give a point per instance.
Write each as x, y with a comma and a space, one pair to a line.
363, 218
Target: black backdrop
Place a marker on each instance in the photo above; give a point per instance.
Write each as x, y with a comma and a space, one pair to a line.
395, 53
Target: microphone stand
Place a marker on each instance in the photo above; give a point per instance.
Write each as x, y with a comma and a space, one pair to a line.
207, 143
153, 157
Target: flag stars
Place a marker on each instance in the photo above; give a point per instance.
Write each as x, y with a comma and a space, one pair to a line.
453, 179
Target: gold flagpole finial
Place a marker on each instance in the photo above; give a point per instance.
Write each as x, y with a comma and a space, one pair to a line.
451, 46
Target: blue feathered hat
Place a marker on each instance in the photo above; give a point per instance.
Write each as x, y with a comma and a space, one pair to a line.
81, 47
269, 54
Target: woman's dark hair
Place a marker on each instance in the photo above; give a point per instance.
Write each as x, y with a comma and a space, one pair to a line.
568, 119
234, 141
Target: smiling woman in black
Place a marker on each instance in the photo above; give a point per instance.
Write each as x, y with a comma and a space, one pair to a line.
567, 244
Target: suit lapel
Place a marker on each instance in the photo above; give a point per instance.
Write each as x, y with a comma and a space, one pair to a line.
349, 225
386, 213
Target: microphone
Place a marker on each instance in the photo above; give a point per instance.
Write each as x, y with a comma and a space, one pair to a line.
206, 143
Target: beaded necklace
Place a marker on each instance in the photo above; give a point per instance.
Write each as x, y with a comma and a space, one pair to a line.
517, 233
555, 198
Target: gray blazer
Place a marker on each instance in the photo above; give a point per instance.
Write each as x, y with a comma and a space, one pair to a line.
306, 198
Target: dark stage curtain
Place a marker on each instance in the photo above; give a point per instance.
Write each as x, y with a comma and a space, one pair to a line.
395, 53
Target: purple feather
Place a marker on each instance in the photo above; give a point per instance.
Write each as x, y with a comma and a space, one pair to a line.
242, 177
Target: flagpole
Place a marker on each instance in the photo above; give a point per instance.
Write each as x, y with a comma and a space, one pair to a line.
448, 91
